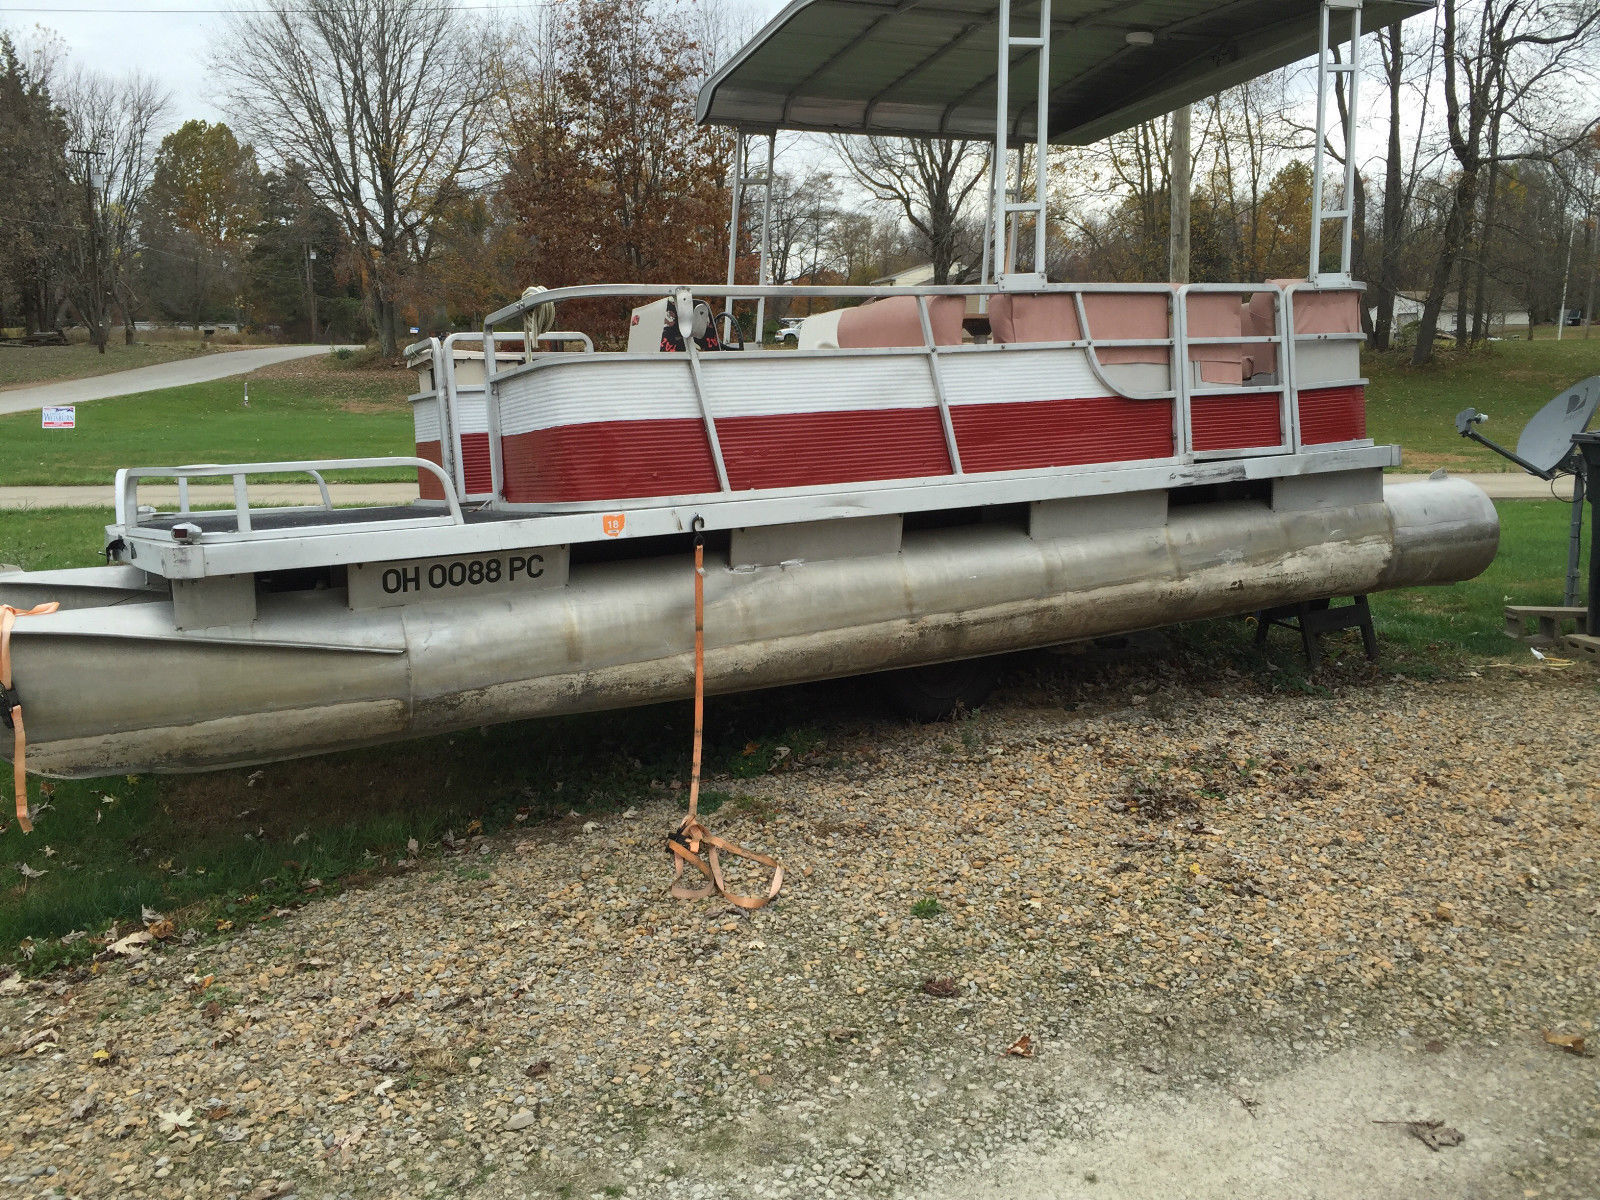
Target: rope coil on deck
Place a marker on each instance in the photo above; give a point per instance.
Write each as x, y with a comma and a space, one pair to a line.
11, 705
685, 841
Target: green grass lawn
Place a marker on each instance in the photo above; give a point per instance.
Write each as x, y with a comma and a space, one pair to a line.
24, 365
1510, 380
231, 846
309, 413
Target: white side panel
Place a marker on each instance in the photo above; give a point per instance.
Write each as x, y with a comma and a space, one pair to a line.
606, 389
769, 384
1317, 364
425, 417
1017, 376
472, 410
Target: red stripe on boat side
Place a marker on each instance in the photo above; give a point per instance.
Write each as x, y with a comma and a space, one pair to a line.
606, 460
1060, 433
1234, 422
428, 486
801, 449
1336, 414
475, 461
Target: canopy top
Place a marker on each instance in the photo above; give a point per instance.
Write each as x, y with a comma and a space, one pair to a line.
927, 68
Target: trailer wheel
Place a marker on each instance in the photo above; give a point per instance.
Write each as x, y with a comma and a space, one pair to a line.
941, 690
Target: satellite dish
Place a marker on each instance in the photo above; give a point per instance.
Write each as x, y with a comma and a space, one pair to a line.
1547, 439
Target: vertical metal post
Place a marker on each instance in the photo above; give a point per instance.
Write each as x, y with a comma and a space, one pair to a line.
241, 503
1569, 595
1588, 445
1315, 268
1326, 69
1354, 73
1002, 139
931, 348
763, 276
1041, 134
739, 155
491, 407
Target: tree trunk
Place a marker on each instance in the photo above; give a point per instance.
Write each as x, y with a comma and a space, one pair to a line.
1485, 239
386, 318
1463, 199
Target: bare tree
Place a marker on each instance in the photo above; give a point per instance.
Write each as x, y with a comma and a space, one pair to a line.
384, 102
113, 124
929, 180
1511, 71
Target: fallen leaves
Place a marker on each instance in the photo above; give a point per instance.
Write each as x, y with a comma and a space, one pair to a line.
1572, 1043
940, 986
39, 1040
171, 1121
133, 943
1021, 1048
539, 1069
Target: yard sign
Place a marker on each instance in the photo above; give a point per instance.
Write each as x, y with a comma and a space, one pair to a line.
61, 417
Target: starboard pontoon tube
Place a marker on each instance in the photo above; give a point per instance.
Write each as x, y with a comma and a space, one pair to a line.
119, 690
80, 587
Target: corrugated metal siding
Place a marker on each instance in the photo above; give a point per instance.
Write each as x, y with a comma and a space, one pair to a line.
608, 460
767, 385
428, 486
1336, 414
605, 390
797, 449
1235, 422
475, 461
1059, 433
1017, 376
425, 419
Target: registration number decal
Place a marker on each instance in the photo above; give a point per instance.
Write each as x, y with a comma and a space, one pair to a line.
385, 584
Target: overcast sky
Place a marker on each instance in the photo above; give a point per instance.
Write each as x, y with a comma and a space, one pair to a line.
171, 38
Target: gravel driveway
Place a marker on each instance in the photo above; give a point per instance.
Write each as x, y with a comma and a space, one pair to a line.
1237, 927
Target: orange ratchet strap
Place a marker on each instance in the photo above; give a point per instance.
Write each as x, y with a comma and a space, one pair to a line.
686, 840
11, 705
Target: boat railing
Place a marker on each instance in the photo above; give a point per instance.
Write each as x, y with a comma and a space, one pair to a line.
1183, 348
129, 516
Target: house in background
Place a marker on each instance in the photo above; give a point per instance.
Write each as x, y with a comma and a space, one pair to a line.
1502, 316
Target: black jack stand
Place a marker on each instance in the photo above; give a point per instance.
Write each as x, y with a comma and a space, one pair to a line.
1313, 618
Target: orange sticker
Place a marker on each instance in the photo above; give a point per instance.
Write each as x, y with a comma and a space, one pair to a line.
612, 523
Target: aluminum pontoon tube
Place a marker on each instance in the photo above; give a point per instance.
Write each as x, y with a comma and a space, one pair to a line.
117, 690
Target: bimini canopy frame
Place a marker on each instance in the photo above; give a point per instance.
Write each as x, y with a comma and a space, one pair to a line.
927, 68
1010, 72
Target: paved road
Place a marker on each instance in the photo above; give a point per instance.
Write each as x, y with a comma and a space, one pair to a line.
1499, 486
216, 365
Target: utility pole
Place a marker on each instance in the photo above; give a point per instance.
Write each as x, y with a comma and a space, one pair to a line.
96, 313
1178, 177
311, 289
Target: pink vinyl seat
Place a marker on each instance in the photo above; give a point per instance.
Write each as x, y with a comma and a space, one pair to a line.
1216, 314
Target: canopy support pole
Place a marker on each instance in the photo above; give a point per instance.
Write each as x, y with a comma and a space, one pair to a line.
1327, 71
1005, 213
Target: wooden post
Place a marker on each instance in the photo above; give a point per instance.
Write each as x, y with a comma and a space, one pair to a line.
1178, 176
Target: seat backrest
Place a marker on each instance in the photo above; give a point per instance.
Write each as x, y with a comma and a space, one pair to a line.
1116, 315
894, 321
1260, 319
1034, 317
1216, 314
1332, 310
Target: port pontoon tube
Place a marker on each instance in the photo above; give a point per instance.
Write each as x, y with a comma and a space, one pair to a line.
309, 675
